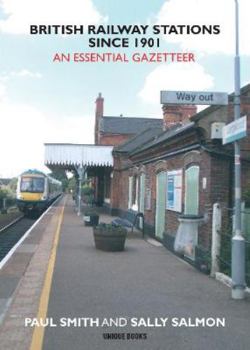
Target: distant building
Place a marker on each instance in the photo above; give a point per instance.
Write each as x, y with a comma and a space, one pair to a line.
114, 130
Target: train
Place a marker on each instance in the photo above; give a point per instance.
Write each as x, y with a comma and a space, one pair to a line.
36, 191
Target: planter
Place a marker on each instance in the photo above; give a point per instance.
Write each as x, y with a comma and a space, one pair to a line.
109, 238
91, 219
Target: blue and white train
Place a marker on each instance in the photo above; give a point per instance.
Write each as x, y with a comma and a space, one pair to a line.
36, 191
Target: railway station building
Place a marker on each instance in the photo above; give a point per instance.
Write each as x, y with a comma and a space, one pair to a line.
162, 167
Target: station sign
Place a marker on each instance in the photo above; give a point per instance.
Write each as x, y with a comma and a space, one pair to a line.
194, 98
235, 130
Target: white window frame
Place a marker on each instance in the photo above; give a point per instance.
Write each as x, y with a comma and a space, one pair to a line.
130, 191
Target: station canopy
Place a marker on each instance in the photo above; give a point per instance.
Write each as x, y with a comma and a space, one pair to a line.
71, 157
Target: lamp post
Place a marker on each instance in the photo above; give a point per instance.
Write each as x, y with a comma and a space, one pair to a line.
238, 242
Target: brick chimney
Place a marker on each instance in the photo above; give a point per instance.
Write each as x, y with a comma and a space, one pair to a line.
98, 115
177, 114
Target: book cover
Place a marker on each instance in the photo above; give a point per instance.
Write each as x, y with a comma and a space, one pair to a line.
134, 116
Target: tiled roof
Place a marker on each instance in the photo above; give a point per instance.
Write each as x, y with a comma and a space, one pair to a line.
128, 125
165, 136
243, 91
138, 141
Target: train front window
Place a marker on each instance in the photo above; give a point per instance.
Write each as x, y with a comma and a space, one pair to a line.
32, 184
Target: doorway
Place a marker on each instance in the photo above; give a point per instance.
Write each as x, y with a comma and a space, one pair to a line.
160, 221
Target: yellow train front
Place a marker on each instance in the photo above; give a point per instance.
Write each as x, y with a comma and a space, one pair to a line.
36, 191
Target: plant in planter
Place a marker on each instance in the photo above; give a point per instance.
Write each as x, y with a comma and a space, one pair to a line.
91, 217
88, 195
109, 238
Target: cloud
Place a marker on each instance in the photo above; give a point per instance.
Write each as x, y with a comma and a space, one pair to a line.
22, 139
26, 129
2, 91
23, 73
21, 14
70, 129
26, 73
176, 76
200, 12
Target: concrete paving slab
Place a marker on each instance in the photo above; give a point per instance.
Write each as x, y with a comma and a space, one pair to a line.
144, 281
26, 248
7, 285
30, 269
18, 264
4, 304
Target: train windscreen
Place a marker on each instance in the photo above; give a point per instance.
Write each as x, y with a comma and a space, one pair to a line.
32, 184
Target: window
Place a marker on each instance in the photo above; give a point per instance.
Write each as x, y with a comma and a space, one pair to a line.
192, 190
32, 184
142, 193
133, 192
130, 189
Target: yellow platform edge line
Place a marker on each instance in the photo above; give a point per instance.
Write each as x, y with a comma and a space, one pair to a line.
38, 333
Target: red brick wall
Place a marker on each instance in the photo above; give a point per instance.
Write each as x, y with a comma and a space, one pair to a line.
98, 115
175, 114
112, 139
215, 168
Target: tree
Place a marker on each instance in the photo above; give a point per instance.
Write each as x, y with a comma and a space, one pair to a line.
61, 176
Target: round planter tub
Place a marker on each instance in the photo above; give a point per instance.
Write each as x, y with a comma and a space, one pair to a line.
109, 242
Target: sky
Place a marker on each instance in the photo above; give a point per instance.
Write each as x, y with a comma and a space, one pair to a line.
45, 101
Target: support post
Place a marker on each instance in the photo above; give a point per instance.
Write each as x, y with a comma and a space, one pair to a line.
216, 239
80, 172
238, 241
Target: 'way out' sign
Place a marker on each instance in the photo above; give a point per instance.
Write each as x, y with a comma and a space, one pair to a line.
194, 98
235, 130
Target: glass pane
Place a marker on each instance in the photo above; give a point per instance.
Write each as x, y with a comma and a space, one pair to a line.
32, 184
142, 192
192, 191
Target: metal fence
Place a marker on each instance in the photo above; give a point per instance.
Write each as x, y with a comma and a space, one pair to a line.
226, 240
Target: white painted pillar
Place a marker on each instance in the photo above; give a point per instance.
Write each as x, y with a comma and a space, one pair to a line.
216, 238
81, 176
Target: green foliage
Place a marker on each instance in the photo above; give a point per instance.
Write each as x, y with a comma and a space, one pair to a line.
246, 197
13, 184
90, 211
72, 184
88, 194
87, 190
61, 176
107, 229
226, 247
3, 193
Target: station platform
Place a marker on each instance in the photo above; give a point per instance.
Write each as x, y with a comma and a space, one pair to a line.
57, 279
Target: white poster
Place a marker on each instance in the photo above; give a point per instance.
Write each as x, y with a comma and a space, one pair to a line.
174, 190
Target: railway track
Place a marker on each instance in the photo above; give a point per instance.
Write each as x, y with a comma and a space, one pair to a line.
11, 234
15, 232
